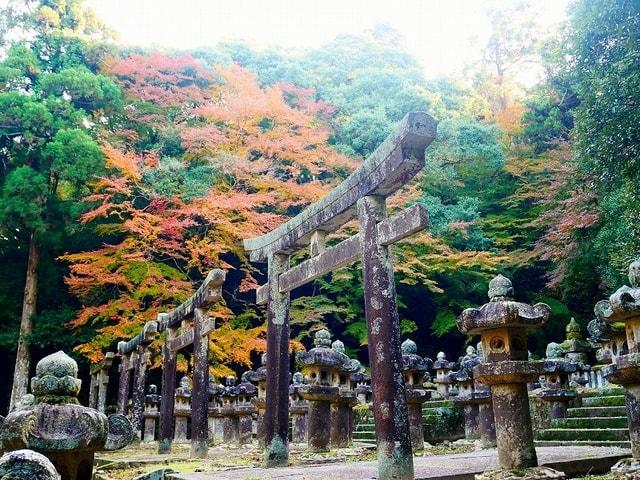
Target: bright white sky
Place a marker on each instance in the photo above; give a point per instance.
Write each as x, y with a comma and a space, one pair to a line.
443, 35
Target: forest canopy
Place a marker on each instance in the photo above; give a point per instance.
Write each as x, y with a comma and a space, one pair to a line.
128, 173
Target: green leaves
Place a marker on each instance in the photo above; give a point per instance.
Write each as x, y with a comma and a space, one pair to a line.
22, 199
73, 157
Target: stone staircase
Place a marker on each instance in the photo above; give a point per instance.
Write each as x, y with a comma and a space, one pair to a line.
441, 420
600, 421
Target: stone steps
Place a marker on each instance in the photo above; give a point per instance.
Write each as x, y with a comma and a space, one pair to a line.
584, 434
582, 412
604, 401
582, 443
590, 422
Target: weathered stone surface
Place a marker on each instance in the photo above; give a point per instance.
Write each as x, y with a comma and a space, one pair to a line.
26, 465
624, 306
321, 367
536, 473
502, 323
396, 161
67, 433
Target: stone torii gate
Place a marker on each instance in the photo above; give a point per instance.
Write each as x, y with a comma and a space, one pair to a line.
100, 382
180, 334
363, 196
187, 324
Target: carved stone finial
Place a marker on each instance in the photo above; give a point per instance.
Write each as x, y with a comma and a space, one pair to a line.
471, 350
409, 347
56, 381
634, 273
322, 338
298, 378
574, 331
337, 346
500, 288
554, 350
263, 359
152, 389
441, 356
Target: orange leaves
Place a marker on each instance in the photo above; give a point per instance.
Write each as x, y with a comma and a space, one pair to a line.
126, 164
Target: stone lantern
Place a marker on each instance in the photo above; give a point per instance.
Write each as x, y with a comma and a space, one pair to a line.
502, 324
466, 397
321, 367
229, 398
556, 377
362, 384
342, 409
215, 422
609, 338
298, 408
624, 307
414, 368
259, 378
245, 409
575, 348
486, 419
151, 413
442, 367
182, 411
56, 426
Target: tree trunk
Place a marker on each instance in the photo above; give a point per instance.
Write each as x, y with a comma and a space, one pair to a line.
23, 355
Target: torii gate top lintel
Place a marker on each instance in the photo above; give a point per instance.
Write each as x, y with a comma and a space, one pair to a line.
385, 171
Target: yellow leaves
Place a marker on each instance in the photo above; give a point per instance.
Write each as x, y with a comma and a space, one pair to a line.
125, 163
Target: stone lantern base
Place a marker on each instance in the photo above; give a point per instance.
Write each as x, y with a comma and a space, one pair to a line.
535, 473
627, 468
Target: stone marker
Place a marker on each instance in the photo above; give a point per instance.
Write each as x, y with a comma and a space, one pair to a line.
214, 410
299, 408
321, 369
624, 306
502, 324
58, 427
363, 196
414, 368
26, 465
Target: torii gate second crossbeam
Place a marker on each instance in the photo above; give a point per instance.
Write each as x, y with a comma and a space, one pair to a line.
363, 196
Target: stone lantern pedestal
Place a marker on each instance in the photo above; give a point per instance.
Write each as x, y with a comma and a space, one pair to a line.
182, 410
259, 378
245, 410
151, 413
321, 368
56, 426
228, 410
502, 324
298, 408
624, 306
414, 368
556, 386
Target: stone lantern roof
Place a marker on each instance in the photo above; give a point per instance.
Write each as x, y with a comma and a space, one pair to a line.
502, 311
625, 302
411, 361
442, 363
322, 354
